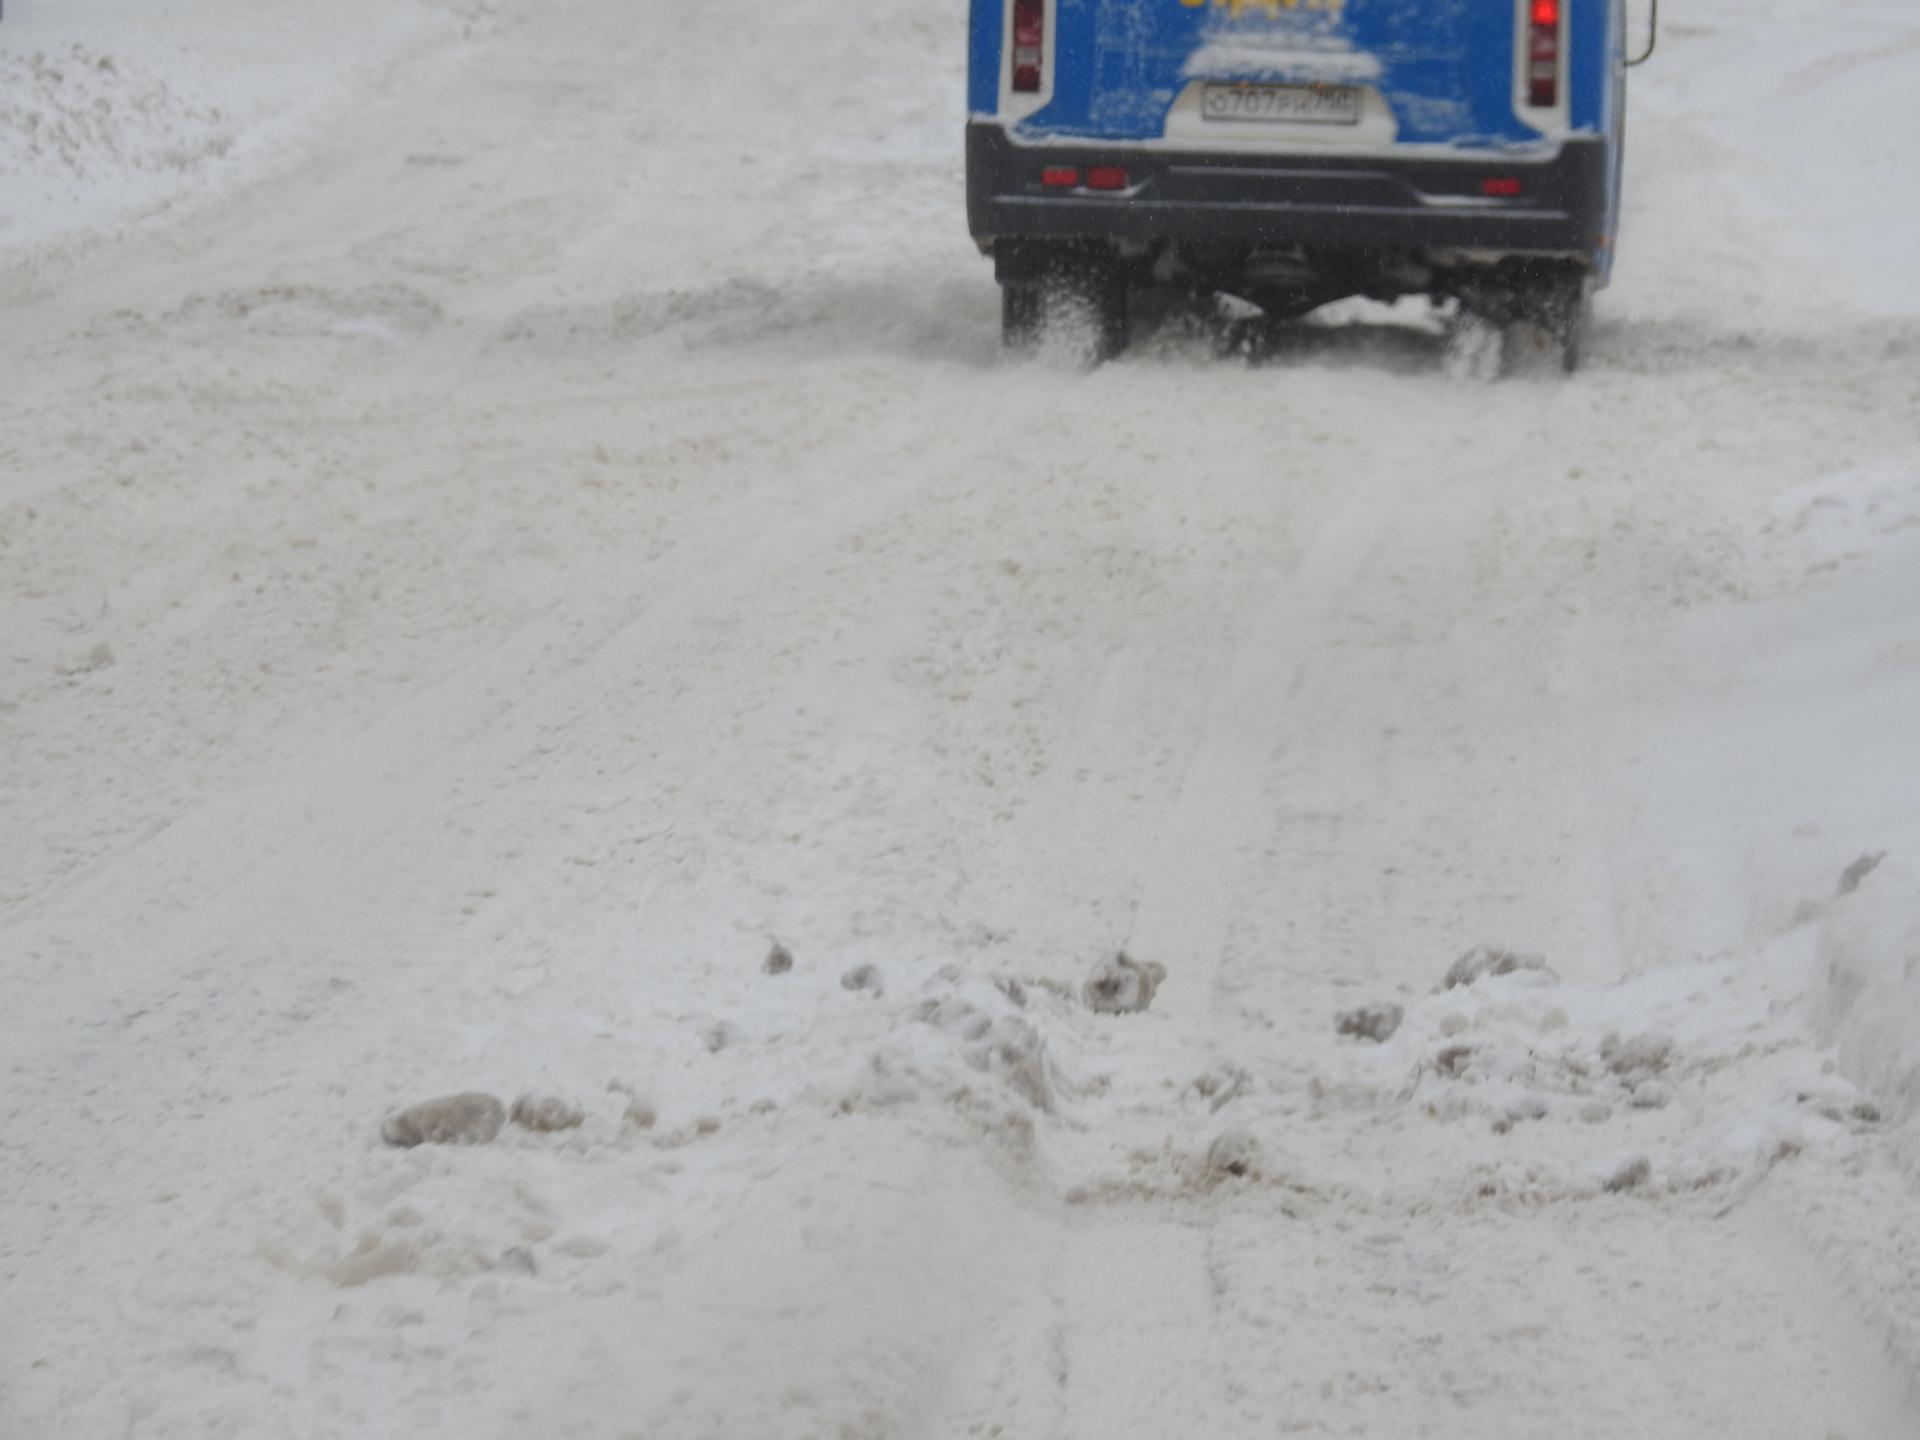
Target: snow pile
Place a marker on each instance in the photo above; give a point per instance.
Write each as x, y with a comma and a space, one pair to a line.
1869, 995
1866, 1003
79, 114
111, 109
984, 1048
1665, 1078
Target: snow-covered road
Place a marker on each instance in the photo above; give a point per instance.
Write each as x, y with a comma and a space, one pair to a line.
545, 515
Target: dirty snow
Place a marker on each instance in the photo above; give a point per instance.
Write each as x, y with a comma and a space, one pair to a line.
112, 110
491, 541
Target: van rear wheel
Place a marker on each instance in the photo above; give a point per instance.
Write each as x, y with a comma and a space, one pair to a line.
1561, 309
1570, 329
1088, 315
1476, 346
1541, 318
1076, 305
1020, 312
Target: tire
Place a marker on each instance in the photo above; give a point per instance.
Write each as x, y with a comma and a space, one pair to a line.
1476, 347
1086, 314
1113, 308
1565, 319
1544, 324
1570, 354
1077, 309
1020, 313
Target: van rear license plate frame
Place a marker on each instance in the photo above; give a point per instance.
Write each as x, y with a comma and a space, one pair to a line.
1266, 104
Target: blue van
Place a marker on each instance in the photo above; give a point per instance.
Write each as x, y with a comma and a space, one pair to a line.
1296, 152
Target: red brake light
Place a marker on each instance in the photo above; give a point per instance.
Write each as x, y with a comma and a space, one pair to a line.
1060, 177
1501, 187
1543, 53
1106, 177
1029, 44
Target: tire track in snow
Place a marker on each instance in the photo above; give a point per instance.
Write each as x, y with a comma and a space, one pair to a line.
1185, 1359
1193, 876
1133, 1294
1170, 1306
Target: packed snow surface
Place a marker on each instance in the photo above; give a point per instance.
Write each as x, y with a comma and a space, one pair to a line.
613, 828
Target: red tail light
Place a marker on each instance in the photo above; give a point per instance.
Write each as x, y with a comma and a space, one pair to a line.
1502, 187
1106, 177
1030, 43
1543, 53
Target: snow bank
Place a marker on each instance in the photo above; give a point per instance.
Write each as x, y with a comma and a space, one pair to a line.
109, 109
1773, 176
1869, 984
78, 114
1784, 757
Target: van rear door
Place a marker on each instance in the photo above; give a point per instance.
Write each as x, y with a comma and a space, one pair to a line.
1246, 72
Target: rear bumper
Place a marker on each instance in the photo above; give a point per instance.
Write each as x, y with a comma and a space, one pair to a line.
1362, 202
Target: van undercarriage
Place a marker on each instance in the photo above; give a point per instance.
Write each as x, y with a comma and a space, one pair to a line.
1511, 238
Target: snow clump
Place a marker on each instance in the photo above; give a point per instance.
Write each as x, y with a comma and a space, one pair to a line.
1370, 1022
467, 1119
1484, 960
1868, 977
1121, 985
546, 1113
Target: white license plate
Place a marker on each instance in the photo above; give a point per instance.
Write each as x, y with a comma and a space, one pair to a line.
1282, 104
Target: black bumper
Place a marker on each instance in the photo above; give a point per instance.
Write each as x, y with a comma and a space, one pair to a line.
1317, 201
